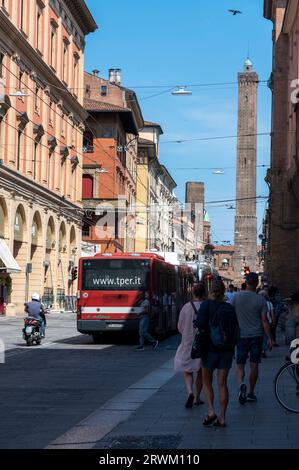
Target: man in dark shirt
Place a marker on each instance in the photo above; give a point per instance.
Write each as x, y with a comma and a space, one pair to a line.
35, 309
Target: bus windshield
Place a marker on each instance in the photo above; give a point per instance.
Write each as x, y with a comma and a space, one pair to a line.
115, 274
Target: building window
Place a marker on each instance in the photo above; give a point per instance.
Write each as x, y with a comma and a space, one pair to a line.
63, 125
1, 64
87, 189
39, 28
23, 15
65, 61
53, 46
74, 135
88, 146
20, 82
37, 99
104, 90
19, 148
85, 230
75, 74
51, 114
50, 172
87, 91
36, 153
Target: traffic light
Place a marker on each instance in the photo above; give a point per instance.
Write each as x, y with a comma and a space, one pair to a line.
246, 270
74, 273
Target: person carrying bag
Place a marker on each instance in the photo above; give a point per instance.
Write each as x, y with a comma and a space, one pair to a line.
218, 333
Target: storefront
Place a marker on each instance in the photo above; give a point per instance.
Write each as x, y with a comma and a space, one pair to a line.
8, 265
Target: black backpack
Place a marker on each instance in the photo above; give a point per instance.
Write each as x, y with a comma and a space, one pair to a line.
224, 328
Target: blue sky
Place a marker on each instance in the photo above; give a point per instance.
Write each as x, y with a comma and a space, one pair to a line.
189, 43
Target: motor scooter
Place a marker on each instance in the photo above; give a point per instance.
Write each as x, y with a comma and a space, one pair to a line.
31, 331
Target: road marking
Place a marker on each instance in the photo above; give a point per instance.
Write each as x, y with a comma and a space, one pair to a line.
92, 429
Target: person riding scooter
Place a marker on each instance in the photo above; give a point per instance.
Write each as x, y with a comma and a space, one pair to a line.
36, 310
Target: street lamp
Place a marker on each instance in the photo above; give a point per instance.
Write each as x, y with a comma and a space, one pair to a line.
181, 91
19, 94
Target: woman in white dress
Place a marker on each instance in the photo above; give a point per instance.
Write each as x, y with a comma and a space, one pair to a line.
182, 361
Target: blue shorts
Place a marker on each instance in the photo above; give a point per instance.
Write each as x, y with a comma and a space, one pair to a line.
221, 360
252, 347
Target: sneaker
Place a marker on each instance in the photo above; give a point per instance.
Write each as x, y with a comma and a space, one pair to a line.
251, 397
155, 344
243, 394
140, 348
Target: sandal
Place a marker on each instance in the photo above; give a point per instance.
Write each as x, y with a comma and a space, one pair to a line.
217, 424
209, 420
198, 402
189, 402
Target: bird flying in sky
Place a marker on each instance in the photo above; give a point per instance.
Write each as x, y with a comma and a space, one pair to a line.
235, 12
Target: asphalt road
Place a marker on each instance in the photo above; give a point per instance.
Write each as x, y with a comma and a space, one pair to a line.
46, 390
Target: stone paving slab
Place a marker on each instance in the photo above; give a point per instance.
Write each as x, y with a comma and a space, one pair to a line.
256, 425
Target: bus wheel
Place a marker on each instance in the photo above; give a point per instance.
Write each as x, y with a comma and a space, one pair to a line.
97, 337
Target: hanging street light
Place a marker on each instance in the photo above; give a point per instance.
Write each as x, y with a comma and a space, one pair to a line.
181, 91
19, 94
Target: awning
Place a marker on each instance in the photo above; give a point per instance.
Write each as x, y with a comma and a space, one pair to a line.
7, 262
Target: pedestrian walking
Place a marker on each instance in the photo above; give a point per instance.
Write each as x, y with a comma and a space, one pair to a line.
182, 361
251, 310
270, 316
144, 324
218, 319
275, 298
230, 293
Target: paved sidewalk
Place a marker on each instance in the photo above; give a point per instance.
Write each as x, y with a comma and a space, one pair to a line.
163, 422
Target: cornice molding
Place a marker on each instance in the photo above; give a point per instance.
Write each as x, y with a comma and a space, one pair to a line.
30, 189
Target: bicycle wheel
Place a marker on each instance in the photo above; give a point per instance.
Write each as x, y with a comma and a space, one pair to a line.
286, 387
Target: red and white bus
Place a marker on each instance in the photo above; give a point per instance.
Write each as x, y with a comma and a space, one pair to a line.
111, 289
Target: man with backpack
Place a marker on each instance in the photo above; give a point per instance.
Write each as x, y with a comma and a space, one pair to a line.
251, 310
218, 319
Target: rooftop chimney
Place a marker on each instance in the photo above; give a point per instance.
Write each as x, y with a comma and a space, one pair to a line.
96, 72
118, 76
112, 75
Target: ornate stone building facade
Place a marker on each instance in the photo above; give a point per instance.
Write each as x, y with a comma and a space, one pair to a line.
41, 138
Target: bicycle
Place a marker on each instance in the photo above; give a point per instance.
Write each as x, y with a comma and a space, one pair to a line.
286, 382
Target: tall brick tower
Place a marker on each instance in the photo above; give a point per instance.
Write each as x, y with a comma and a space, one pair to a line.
245, 221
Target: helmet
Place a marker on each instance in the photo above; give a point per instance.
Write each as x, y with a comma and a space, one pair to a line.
35, 296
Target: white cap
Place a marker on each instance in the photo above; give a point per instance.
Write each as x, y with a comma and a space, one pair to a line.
35, 296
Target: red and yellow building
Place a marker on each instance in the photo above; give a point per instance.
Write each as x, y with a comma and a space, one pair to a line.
41, 137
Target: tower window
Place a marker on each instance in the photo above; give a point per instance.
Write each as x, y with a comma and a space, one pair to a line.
104, 90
